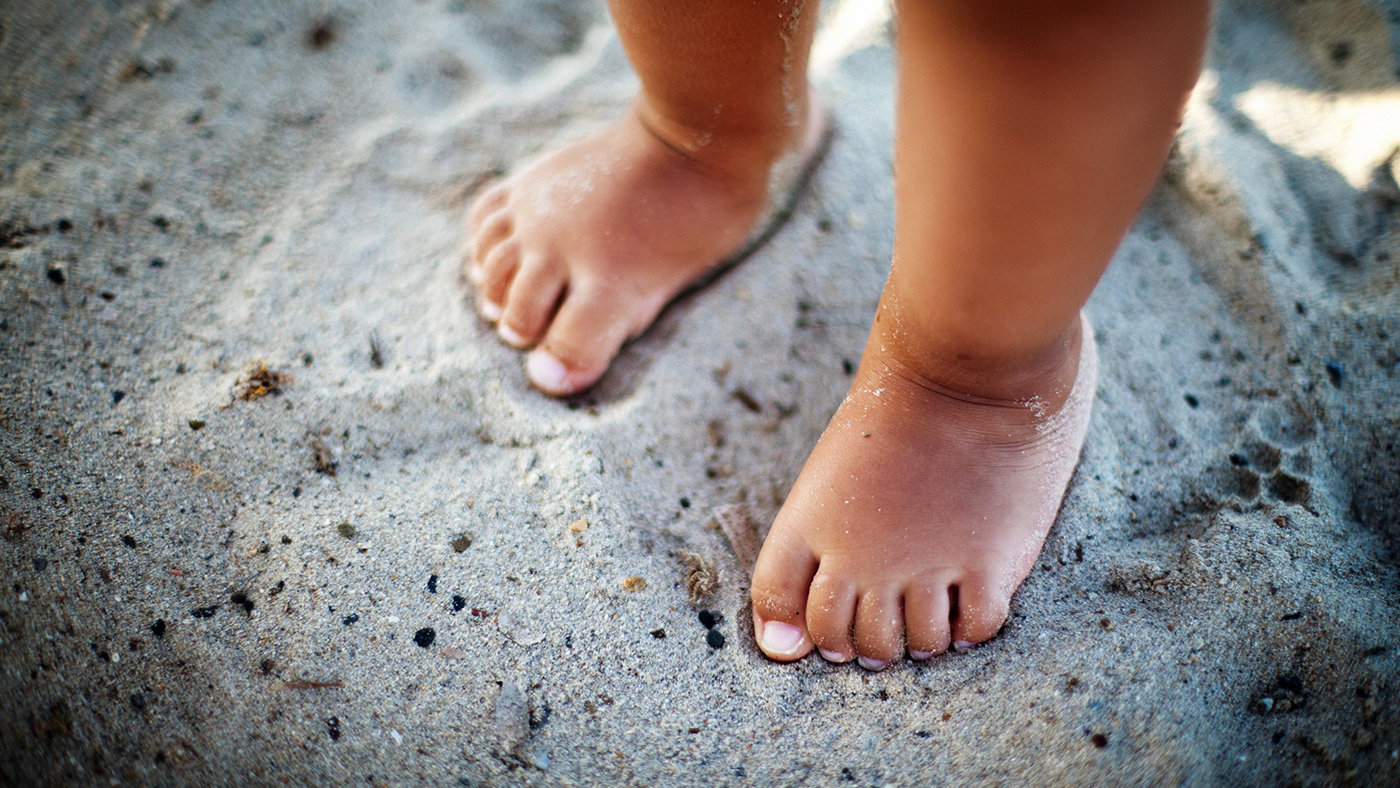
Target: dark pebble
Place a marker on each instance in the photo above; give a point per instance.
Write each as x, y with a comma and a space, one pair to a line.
714, 638
350, 619
157, 262
196, 424
685, 503
659, 633
128, 540
138, 701
1290, 683
1191, 400
1291, 616
118, 396
333, 728
1334, 374
56, 276
458, 602
243, 601
40, 564
204, 612
432, 584
424, 637
64, 225
847, 367
461, 543
1099, 740
707, 619
158, 628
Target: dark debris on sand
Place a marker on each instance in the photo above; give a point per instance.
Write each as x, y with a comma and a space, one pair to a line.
259, 381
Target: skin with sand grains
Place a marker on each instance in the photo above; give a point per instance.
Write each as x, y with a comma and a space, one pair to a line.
1027, 136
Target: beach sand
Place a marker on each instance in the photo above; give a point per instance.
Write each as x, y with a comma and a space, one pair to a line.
278, 508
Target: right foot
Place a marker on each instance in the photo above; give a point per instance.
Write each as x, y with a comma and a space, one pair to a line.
581, 250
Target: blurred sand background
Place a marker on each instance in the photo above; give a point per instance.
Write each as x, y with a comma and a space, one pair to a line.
206, 201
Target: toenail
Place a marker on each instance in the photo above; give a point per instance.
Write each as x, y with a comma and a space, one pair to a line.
963, 645
476, 274
780, 638
833, 656
920, 656
489, 310
872, 664
509, 336
546, 371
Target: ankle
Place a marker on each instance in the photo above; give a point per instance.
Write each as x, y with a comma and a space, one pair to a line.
1044, 370
738, 144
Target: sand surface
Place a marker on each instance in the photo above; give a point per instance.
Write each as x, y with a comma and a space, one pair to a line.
208, 587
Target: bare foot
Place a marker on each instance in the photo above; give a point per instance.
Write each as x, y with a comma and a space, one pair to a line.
919, 513
581, 250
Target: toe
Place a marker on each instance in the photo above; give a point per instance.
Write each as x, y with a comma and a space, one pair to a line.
496, 272
831, 609
982, 606
581, 341
879, 628
489, 202
534, 294
926, 626
494, 229
781, 581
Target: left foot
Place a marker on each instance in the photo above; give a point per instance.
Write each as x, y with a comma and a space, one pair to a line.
921, 510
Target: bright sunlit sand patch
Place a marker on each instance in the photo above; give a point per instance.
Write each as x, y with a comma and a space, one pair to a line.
851, 26
1354, 132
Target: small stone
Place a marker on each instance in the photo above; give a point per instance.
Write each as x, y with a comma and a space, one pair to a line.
634, 584
461, 543
56, 276
715, 639
512, 717
432, 584
1264, 705
138, 701
196, 424
458, 602
579, 526
1100, 740
118, 396
333, 728
659, 633
158, 628
346, 530
707, 619
350, 619
424, 637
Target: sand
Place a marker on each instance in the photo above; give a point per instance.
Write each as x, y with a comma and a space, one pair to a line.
399, 565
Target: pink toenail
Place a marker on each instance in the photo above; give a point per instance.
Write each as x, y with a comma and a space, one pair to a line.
872, 664
780, 638
546, 371
963, 645
920, 656
833, 656
508, 334
489, 310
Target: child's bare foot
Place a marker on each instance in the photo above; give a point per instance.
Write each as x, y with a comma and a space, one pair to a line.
920, 511
580, 251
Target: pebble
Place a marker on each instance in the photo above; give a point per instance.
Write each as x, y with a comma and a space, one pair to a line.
432, 584
158, 628
634, 584
350, 619
458, 602
512, 717
346, 530
424, 637
461, 543
707, 619
715, 639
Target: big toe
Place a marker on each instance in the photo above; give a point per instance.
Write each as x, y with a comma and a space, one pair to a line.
581, 341
781, 582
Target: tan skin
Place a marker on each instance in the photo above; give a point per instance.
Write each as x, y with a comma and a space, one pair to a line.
1028, 134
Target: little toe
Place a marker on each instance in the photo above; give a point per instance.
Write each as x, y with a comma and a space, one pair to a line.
495, 276
534, 294
982, 607
582, 340
487, 203
879, 628
493, 230
781, 580
926, 627
831, 610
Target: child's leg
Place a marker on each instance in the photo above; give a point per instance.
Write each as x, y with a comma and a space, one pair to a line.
580, 251
1028, 135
